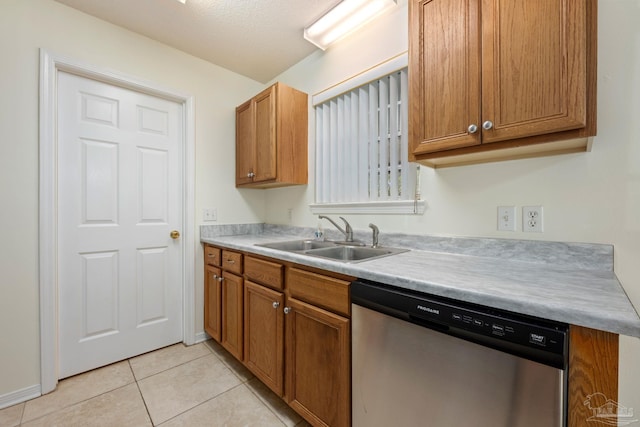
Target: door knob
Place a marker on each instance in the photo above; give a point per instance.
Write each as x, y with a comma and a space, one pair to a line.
174, 234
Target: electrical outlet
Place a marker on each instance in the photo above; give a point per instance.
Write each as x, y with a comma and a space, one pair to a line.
532, 219
210, 214
506, 218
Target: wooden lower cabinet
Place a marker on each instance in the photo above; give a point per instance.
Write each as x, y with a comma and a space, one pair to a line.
318, 358
212, 302
264, 334
232, 317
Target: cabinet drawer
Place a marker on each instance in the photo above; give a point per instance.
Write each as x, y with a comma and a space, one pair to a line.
212, 256
323, 291
232, 261
264, 272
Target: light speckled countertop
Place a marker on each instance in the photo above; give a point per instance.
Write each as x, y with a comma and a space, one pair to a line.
565, 282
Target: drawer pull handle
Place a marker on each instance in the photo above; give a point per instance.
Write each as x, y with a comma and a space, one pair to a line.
230, 261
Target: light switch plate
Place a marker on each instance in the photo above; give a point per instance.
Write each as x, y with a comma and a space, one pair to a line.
506, 218
210, 214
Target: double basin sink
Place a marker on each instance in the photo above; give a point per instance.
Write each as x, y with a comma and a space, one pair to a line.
337, 251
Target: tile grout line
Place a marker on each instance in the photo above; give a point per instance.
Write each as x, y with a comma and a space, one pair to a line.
200, 404
73, 404
144, 402
266, 404
168, 369
24, 405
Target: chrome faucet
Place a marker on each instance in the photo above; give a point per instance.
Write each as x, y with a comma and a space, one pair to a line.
376, 232
347, 231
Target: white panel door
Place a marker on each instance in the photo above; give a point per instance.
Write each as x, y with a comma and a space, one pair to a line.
120, 196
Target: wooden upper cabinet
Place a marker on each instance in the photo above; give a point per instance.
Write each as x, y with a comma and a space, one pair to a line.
271, 138
444, 77
493, 75
245, 147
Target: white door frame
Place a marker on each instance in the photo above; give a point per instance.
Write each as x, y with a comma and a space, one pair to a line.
50, 65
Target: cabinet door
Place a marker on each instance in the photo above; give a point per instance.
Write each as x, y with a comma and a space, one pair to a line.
444, 74
264, 334
318, 369
212, 300
245, 143
232, 318
265, 135
534, 67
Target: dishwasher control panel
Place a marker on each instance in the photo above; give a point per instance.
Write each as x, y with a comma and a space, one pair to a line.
536, 339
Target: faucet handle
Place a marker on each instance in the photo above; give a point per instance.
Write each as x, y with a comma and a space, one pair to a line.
346, 224
376, 232
348, 231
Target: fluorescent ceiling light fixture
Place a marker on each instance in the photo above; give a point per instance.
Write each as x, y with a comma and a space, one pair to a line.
347, 16
182, 1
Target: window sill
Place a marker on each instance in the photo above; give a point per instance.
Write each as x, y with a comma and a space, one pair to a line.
411, 207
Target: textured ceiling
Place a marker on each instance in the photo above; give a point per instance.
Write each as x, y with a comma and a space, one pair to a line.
256, 38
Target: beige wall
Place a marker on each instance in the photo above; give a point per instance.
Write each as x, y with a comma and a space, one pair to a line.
593, 197
588, 197
26, 26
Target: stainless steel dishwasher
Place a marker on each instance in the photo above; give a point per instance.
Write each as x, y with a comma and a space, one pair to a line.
421, 360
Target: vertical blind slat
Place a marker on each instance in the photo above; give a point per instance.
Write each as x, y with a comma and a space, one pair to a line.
339, 172
319, 158
333, 145
383, 139
374, 178
393, 136
363, 145
326, 153
408, 175
352, 179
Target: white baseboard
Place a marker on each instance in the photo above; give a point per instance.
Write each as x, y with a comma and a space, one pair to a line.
201, 336
19, 396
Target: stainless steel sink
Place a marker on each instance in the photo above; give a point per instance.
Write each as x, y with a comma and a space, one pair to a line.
337, 251
354, 253
297, 245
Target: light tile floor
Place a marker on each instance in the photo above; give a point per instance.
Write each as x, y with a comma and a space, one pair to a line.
200, 385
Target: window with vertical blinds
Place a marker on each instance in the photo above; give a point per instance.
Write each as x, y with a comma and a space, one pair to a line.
362, 148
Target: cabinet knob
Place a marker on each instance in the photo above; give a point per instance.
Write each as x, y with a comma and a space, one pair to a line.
220, 279
215, 277
472, 128
251, 175
287, 310
276, 304
487, 125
